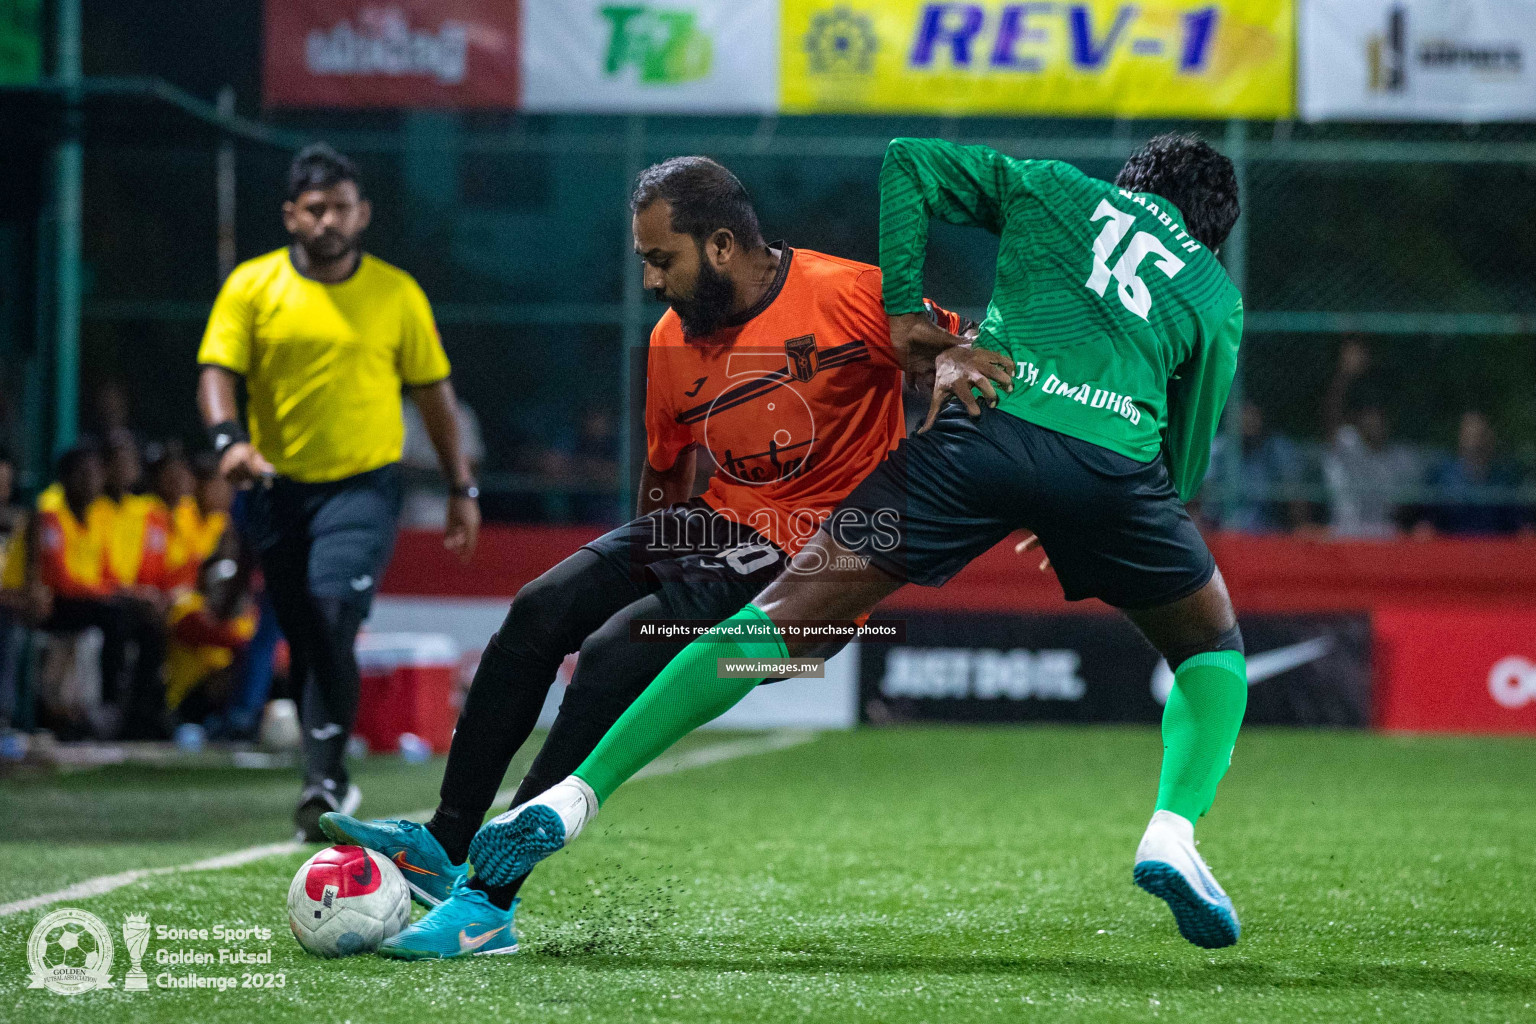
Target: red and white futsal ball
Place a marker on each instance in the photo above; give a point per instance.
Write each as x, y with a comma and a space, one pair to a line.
347, 900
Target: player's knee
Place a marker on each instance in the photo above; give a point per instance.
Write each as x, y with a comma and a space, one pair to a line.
1229, 639
535, 615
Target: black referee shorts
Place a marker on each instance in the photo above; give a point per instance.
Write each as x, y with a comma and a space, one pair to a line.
328, 539
1114, 528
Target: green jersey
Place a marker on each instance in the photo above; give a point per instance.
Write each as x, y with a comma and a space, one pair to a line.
1123, 328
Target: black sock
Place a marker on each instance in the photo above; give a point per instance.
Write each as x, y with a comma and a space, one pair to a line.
453, 831
499, 895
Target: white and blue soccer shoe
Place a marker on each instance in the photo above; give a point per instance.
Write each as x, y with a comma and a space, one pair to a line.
1168, 867
507, 847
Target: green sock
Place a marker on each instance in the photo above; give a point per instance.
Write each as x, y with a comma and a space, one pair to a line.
1200, 723
685, 695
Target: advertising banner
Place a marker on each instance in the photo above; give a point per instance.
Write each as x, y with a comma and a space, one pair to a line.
1302, 670
1182, 58
21, 44
682, 56
1472, 60
390, 53
1456, 670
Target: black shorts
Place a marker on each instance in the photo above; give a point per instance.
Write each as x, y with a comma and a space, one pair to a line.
328, 539
703, 565
1114, 528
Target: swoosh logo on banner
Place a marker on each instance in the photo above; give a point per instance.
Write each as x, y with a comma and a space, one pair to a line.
1262, 666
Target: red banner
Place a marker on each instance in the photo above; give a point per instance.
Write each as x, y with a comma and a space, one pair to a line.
391, 53
1456, 669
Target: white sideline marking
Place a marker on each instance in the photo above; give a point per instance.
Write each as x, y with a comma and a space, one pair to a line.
665, 765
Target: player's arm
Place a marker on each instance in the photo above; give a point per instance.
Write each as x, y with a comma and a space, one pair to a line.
969, 185
671, 456
925, 178
1195, 401
440, 415
662, 487
424, 367
223, 357
239, 461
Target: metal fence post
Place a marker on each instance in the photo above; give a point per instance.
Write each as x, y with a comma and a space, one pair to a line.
1235, 256
632, 337
68, 186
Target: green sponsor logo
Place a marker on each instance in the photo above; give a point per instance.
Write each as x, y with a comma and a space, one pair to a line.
21, 43
664, 46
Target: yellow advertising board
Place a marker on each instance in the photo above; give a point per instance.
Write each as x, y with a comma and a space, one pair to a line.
1155, 58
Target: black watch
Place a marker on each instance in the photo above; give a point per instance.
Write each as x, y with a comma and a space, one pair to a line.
466, 491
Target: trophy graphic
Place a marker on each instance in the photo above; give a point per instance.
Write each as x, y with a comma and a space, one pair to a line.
136, 938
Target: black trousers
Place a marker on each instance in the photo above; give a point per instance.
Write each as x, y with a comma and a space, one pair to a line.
123, 622
323, 547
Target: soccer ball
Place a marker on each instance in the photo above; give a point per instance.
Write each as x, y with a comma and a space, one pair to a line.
347, 900
70, 945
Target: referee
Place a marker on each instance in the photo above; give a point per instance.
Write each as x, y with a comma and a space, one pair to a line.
325, 336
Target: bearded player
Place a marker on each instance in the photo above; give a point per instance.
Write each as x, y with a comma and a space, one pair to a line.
780, 362
1121, 330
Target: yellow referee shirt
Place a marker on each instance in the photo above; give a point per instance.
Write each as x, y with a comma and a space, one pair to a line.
324, 363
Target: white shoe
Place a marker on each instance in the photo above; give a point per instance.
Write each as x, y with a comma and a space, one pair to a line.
508, 846
1168, 867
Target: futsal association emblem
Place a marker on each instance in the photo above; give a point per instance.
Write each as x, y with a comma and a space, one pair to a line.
69, 952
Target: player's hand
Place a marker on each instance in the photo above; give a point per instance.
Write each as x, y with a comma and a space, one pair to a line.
918, 338
1032, 543
242, 465
463, 530
958, 370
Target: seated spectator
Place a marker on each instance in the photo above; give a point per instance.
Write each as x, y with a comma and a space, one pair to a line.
13, 581
1462, 504
68, 568
211, 625
1265, 476
140, 525
1365, 473
198, 502
593, 459
1367, 476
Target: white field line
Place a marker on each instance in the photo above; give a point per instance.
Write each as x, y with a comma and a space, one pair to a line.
666, 765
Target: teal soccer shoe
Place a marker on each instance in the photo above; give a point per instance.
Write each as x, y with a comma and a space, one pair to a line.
467, 923
410, 845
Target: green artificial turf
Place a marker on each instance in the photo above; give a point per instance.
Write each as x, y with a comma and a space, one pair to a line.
891, 875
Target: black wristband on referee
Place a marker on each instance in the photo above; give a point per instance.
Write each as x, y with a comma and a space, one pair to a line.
222, 435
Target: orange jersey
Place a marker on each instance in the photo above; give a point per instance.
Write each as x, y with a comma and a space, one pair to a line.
191, 539
136, 551
797, 402
72, 555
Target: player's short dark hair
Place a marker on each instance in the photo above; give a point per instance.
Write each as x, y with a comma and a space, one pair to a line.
319, 166
705, 197
1188, 172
